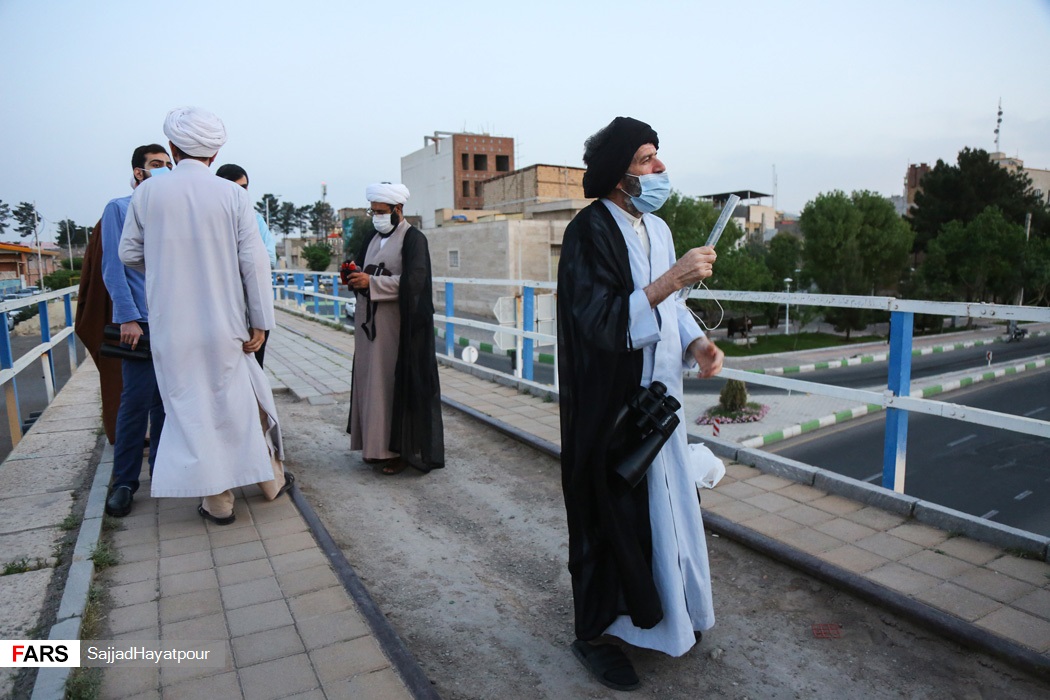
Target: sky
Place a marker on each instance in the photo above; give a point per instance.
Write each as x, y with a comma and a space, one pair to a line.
832, 95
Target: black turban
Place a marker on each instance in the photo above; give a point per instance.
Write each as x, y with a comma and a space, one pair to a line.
608, 153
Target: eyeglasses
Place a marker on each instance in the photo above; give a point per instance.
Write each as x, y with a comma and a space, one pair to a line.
373, 212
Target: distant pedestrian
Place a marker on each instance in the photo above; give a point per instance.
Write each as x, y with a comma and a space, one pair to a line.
210, 297
140, 401
395, 403
237, 175
637, 552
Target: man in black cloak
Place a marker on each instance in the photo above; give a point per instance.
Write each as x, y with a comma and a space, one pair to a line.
600, 361
395, 404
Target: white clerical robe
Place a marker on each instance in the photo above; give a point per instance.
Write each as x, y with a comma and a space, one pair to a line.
680, 565
207, 280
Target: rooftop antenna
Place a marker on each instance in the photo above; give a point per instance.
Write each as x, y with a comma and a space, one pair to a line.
998, 123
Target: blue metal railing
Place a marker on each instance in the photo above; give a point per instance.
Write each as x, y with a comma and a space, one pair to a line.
11, 366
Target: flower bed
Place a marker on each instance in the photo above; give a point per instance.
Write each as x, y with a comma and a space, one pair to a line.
752, 413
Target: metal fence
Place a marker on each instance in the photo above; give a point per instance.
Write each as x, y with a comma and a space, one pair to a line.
11, 366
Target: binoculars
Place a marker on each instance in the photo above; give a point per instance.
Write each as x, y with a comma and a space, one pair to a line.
649, 418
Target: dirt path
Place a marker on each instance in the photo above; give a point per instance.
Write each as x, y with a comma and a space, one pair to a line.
469, 566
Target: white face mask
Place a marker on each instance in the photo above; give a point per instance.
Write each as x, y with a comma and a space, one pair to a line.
382, 223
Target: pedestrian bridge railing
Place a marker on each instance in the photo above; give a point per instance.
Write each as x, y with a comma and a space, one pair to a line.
895, 398
11, 366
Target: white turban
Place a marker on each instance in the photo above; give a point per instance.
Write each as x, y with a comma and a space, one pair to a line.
196, 132
387, 193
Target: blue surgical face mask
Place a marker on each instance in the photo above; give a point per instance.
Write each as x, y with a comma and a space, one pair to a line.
158, 171
656, 188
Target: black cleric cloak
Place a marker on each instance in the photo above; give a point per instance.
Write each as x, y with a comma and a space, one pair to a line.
416, 430
610, 535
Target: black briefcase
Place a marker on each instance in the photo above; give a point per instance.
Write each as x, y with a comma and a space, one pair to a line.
122, 351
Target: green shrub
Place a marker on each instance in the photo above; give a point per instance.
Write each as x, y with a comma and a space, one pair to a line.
733, 396
317, 256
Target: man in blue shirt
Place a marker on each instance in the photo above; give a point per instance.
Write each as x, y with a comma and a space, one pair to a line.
140, 401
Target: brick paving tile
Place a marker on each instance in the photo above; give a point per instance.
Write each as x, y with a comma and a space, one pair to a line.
1019, 626
853, 558
133, 617
187, 583
836, 505
737, 511
255, 648
321, 631
173, 675
127, 681
347, 659
969, 550
224, 685
260, 590
313, 579
1034, 572
770, 482
1037, 602
138, 552
294, 561
923, 535
133, 593
228, 538
278, 528
236, 553
122, 574
886, 545
207, 627
740, 490
901, 578
141, 535
186, 563
711, 497
323, 602
184, 528
876, 518
806, 515
810, 541
1001, 587
741, 472
259, 617
184, 545
958, 601
244, 571
771, 524
149, 633
801, 492
278, 679
293, 542
770, 502
379, 685
936, 564
844, 529
189, 605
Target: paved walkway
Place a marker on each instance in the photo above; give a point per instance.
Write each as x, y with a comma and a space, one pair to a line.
265, 585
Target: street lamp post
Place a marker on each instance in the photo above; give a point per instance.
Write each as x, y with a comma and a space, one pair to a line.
787, 306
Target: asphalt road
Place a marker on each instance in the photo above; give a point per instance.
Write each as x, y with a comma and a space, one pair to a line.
32, 393
987, 472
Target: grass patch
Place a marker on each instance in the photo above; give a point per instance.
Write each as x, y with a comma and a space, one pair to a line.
84, 684
71, 522
18, 566
766, 344
111, 524
104, 556
1021, 553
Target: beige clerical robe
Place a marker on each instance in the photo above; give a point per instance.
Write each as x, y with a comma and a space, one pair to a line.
372, 404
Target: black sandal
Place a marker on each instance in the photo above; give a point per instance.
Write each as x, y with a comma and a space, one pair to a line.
393, 467
608, 664
289, 482
218, 521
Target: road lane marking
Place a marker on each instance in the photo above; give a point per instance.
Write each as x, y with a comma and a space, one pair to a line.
961, 440
1022, 495
990, 514
1035, 411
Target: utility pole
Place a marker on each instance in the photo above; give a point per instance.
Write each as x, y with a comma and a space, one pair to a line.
36, 239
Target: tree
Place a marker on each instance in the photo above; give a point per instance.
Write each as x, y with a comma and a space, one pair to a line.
691, 220
982, 260
961, 192
784, 256
274, 207
1037, 272
284, 220
302, 219
5, 214
67, 229
322, 219
318, 256
26, 218
360, 226
854, 245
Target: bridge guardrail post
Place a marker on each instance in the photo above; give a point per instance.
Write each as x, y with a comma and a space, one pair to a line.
67, 301
528, 313
895, 447
47, 360
450, 328
14, 413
